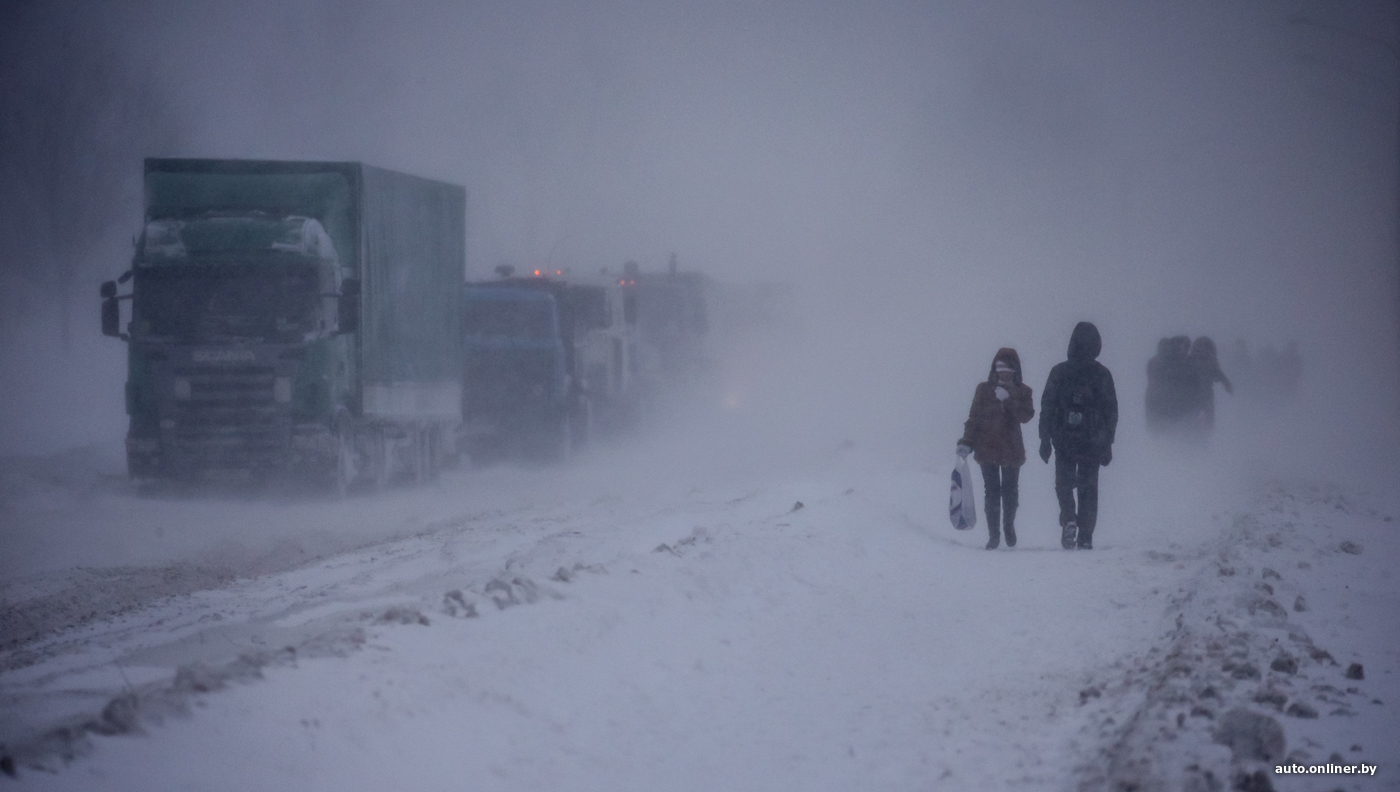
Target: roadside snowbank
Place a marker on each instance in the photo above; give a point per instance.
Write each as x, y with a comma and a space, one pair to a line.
1284, 652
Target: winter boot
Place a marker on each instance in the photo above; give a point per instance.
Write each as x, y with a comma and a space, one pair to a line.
993, 536
993, 513
1009, 528
1069, 535
1085, 540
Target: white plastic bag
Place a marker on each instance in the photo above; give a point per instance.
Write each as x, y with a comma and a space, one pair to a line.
962, 502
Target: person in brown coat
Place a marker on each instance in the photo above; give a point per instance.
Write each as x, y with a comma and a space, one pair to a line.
993, 435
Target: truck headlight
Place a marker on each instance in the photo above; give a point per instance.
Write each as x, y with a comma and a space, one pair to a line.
182, 388
282, 389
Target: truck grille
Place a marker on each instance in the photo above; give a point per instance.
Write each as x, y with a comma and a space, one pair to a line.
510, 378
244, 385
231, 417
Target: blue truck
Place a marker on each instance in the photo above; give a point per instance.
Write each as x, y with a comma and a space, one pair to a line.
547, 361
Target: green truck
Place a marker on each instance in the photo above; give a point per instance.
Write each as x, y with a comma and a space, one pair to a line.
292, 319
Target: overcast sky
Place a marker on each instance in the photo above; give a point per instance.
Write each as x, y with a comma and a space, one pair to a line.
937, 179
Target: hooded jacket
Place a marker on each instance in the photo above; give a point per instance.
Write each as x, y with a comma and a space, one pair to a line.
993, 428
1081, 378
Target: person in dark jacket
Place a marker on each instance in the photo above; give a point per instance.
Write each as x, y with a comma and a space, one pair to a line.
993, 435
1205, 363
1078, 419
1172, 385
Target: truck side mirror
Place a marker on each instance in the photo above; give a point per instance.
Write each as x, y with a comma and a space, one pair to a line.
348, 306
111, 311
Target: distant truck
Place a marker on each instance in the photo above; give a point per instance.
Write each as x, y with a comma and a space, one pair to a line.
546, 361
671, 316
292, 319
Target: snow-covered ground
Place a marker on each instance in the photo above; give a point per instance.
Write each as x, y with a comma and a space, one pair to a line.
644, 622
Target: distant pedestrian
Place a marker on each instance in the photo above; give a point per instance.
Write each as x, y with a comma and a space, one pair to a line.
1171, 385
1205, 363
1078, 419
993, 435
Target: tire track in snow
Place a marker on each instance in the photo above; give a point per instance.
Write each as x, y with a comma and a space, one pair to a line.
223, 630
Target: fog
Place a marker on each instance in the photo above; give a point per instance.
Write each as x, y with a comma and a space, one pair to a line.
931, 181
915, 185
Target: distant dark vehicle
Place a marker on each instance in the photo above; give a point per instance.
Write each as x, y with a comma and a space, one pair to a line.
545, 362
292, 318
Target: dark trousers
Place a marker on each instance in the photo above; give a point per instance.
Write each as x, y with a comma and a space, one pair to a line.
1077, 474
1003, 494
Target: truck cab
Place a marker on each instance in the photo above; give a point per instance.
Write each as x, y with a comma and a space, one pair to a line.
517, 383
606, 344
546, 361
235, 353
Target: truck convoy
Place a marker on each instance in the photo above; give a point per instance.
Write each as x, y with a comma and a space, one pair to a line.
545, 361
292, 318
310, 320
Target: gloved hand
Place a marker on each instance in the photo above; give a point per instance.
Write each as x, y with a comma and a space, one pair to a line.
1044, 450
1002, 393
963, 451
1107, 456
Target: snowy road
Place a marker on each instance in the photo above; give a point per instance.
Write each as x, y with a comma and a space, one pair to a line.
617, 632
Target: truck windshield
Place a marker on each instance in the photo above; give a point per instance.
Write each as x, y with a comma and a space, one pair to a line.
524, 320
199, 303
